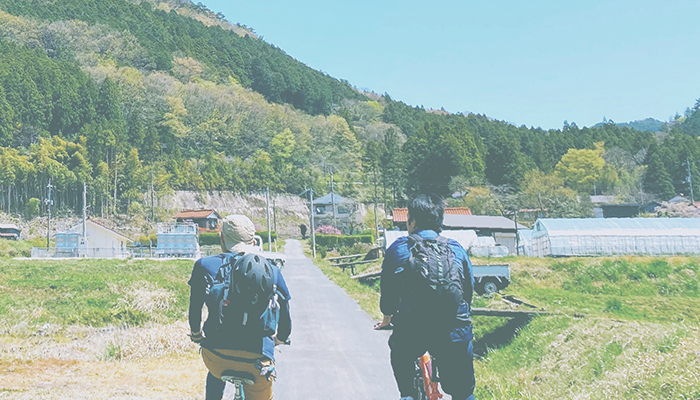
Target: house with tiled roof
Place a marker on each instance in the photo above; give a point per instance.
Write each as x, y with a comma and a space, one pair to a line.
336, 210
206, 220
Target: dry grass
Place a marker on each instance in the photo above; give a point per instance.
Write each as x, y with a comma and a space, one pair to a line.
146, 297
151, 362
598, 359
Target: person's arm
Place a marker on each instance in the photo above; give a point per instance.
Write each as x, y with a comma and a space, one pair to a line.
389, 301
197, 297
284, 326
468, 279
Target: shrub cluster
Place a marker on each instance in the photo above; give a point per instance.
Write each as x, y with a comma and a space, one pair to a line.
335, 241
328, 230
263, 235
147, 240
209, 239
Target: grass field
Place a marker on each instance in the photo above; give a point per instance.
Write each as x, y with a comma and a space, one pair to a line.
96, 329
117, 329
639, 337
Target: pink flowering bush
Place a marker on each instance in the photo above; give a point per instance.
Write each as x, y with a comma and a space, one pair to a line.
328, 230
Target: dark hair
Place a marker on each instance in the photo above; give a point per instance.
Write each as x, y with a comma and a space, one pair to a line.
427, 211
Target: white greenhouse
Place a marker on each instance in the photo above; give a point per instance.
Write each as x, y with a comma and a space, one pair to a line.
615, 236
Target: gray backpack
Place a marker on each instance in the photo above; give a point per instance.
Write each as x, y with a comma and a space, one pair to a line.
432, 280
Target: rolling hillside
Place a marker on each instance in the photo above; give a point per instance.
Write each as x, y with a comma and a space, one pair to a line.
113, 92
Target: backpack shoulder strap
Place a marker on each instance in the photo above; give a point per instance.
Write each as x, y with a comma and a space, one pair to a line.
442, 239
229, 258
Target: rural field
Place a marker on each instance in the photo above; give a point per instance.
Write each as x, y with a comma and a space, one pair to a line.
624, 327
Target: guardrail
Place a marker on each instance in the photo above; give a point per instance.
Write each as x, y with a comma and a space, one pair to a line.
79, 252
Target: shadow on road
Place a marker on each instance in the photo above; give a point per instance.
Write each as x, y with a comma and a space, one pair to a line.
501, 336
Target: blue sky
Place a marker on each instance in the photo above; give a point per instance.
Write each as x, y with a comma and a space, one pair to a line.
533, 63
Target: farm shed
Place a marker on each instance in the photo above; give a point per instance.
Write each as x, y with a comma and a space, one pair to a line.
501, 229
10, 231
206, 220
615, 236
98, 242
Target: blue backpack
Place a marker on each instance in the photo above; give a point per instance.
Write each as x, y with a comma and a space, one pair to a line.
243, 296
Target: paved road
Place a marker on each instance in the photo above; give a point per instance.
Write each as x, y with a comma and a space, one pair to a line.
335, 353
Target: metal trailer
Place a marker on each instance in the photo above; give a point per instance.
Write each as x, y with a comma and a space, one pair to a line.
489, 279
276, 258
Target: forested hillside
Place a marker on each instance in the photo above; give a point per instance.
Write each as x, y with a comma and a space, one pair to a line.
123, 95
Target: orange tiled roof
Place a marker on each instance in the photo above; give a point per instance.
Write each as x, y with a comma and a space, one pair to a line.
401, 214
194, 214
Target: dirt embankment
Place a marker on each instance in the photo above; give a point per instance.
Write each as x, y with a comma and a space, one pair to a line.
286, 212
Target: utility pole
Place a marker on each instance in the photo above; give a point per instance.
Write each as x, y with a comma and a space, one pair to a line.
48, 221
115, 185
153, 218
517, 238
274, 215
690, 181
85, 216
376, 218
313, 228
269, 233
333, 199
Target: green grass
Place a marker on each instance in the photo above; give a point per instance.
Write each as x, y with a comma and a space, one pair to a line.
19, 248
632, 288
93, 292
639, 337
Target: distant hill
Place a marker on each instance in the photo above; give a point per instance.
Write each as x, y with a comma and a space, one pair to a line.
646, 125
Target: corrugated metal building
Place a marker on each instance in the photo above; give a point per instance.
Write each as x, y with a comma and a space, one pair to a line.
502, 229
615, 236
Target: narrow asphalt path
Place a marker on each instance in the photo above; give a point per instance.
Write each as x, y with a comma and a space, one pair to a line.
335, 353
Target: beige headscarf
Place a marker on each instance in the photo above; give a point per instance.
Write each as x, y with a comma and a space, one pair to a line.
237, 232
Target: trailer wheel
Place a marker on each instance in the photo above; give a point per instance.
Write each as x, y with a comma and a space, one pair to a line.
490, 288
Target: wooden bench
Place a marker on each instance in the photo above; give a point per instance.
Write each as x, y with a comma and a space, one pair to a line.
370, 276
351, 265
341, 258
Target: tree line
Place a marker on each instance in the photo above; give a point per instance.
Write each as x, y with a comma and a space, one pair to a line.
130, 99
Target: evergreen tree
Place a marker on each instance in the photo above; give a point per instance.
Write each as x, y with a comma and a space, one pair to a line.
657, 181
6, 120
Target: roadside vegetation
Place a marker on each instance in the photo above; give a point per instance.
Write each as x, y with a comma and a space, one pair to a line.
19, 248
623, 327
103, 327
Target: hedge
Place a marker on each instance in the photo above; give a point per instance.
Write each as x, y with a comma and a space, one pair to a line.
209, 238
334, 241
263, 235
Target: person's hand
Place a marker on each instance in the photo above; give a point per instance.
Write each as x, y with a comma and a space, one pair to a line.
268, 371
384, 323
197, 337
279, 342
